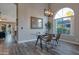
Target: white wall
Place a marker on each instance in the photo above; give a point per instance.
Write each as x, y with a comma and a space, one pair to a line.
25, 12
37, 10
75, 7
8, 11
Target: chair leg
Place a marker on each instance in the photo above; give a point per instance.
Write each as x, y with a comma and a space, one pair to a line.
54, 42
46, 46
57, 41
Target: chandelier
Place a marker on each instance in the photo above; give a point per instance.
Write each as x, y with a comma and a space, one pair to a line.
48, 12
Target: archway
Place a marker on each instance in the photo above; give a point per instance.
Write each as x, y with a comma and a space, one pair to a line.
63, 21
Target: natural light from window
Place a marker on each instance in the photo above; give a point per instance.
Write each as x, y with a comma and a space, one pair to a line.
63, 20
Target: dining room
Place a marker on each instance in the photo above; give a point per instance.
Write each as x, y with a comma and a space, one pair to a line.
41, 28
50, 28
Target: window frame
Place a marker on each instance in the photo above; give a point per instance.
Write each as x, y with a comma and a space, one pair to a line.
62, 23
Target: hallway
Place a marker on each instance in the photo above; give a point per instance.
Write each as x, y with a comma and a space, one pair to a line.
6, 43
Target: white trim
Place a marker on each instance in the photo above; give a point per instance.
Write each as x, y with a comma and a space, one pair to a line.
70, 41
60, 39
26, 41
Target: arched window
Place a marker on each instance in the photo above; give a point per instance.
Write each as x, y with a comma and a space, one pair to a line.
63, 20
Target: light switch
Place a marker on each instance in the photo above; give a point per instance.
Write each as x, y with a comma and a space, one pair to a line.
21, 27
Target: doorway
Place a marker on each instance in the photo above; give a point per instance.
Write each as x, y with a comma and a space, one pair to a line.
7, 24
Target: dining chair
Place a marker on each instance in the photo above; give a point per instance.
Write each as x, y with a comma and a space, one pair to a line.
47, 40
57, 38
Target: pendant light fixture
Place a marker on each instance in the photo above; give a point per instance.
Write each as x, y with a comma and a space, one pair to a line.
48, 11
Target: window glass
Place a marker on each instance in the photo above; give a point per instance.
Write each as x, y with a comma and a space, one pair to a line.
63, 20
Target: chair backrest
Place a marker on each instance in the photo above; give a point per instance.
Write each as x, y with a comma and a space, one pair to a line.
58, 36
49, 38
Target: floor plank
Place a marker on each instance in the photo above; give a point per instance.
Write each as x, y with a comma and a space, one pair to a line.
63, 48
29, 48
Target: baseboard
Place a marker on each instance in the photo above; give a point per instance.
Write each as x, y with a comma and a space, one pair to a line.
70, 42
26, 41
60, 39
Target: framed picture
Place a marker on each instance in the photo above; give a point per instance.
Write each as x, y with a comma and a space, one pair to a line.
36, 23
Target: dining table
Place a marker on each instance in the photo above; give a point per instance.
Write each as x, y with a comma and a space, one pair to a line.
40, 38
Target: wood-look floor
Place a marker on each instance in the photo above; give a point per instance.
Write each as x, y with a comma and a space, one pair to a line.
4, 50
29, 48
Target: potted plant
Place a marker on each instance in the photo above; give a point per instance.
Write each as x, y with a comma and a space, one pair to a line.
48, 26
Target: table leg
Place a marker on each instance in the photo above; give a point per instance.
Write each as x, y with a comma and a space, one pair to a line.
37, 40
41, 43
